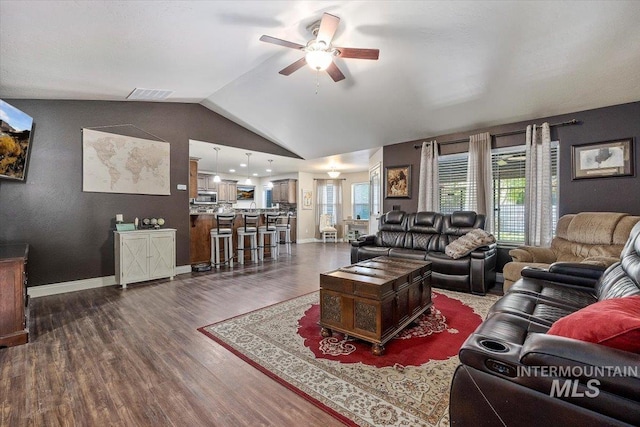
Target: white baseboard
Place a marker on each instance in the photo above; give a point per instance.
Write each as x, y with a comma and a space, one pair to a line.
309, 240
81, 285
314, 240
183, 269
76, 285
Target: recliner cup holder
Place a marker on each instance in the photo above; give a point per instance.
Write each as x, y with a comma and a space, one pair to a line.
494, 346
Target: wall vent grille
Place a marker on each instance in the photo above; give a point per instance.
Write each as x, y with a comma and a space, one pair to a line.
149, 94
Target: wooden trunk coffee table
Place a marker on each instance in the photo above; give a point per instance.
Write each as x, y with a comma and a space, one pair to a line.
374, 299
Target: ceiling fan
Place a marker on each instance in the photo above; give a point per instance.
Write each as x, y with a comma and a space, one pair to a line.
319, 52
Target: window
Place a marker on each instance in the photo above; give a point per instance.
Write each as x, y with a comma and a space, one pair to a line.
329, 199
328, 203
508, 186
268, 197
375, 186
452, 172
360, 200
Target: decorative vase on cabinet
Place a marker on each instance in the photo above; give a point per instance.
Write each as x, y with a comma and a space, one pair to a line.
144, 255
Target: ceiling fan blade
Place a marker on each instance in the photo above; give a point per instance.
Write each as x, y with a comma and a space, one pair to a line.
328, 27
349, 52
285, 43
293, 67
335, 72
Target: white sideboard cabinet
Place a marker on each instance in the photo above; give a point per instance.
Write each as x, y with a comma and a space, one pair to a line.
144, 255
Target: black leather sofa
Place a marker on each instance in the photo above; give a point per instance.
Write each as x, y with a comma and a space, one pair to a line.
424, 236
510, 366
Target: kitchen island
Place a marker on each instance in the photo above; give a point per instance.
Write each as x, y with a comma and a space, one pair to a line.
201, 224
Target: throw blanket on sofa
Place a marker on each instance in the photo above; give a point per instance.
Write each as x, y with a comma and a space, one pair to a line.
466, 244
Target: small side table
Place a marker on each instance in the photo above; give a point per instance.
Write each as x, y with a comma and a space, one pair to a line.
354, 228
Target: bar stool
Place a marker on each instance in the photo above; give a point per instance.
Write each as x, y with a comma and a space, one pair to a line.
270, 229
250, 229
223, 231
284, 227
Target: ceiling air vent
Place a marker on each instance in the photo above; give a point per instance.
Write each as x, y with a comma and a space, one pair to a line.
149, 94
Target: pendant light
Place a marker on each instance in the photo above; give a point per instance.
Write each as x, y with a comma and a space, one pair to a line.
270, 183
333, 173
248, 181
216, 178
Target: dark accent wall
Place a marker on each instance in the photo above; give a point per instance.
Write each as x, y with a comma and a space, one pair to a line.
620, 194
70, 232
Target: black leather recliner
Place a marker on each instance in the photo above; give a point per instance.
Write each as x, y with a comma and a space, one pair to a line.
490, 386
424, 236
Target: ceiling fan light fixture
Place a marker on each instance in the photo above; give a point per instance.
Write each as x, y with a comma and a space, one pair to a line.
318, 52
319, 55
319, 59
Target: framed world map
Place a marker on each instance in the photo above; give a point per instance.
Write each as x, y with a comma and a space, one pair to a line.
122, 164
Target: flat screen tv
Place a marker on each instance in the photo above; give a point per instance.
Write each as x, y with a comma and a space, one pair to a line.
15, 141
246, 192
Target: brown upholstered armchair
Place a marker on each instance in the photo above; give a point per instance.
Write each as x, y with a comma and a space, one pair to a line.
589, 237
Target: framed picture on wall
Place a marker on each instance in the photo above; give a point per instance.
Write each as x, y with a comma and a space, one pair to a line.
397, 182
15, 141
602, 159
245, 192
307, 199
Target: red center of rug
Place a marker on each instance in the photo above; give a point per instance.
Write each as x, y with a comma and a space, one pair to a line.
434, 336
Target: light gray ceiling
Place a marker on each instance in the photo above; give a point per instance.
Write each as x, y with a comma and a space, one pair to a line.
443, 67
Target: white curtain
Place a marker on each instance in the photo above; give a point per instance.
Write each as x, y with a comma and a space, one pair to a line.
328, 201
480, 178
537, 205
429, 185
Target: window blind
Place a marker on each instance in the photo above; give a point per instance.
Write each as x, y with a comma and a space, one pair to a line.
508, 166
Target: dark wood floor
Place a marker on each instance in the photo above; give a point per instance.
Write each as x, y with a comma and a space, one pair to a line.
134, 357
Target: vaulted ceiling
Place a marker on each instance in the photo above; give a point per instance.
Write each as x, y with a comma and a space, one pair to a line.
443, 67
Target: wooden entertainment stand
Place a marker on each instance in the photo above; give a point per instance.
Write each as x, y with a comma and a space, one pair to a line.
375, 299
14, 324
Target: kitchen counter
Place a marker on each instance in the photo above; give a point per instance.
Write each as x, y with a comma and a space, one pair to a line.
237, 211
201, 224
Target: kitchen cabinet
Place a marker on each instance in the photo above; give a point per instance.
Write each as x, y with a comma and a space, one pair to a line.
193, 179
211, 184
205, 182
284, 191
226, 188
275, 193
233, 191
144, 255
227, 191
14, 326
202, 182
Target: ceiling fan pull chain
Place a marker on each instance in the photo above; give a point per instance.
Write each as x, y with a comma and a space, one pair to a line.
317, 80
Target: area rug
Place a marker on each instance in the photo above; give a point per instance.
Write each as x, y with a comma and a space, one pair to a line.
408, 385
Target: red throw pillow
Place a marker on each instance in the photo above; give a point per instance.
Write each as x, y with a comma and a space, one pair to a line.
612, 322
